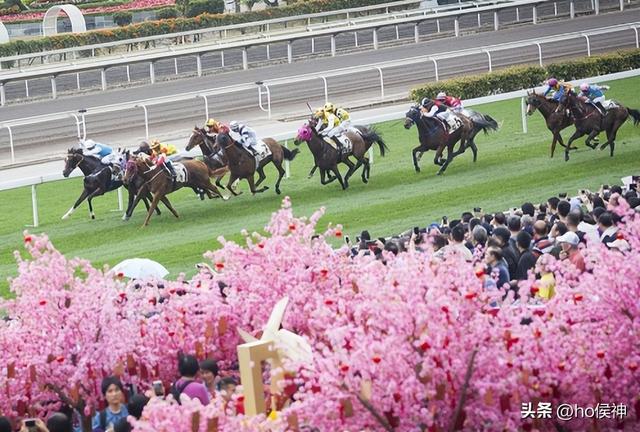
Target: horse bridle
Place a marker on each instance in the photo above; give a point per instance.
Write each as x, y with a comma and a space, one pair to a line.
74, 155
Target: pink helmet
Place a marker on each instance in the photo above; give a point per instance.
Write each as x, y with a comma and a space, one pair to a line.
584, 87
304, 132
552, 82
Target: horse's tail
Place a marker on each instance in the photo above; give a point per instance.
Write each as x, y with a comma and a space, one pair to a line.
370, 135
485, 123
635, 114
290, 154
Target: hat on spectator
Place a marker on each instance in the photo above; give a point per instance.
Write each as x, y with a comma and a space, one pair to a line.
620, 244
569, 237
543, 247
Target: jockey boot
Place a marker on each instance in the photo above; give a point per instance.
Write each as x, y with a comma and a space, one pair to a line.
600, 107
339, 144
172, 171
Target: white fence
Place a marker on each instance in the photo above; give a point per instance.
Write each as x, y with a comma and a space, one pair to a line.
153, 56
286, 136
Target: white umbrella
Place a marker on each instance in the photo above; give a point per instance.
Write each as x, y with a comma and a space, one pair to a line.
141, 268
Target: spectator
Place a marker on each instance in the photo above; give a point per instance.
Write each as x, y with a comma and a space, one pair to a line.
606, 228
227, 390
527, 224
114, 394
514, 226
59, 422
598, 202
569, 243
540, 231
547, 283
479, 236
439, 241
553, 208
188, 367
499, 220
497, 267
527, 260
136, 405
473, 223
573, 220
563, 210
456, 243
502, 236
122, 426
40, 427
5, 425
466, 217
528, 209
209, 375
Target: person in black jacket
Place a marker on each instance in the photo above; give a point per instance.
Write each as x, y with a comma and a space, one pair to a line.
527, 260
502, 235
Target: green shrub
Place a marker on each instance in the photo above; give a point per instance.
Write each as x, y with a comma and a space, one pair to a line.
167, 13
199, 7
523, 77
123, 18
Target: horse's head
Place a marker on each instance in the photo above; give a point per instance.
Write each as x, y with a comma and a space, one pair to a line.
533, 102
197, 138
71, 161
304, 133
130, 169
412, 116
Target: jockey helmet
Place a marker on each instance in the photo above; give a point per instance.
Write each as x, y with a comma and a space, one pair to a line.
234, 126
329, 107
552, 82
212, 122
425, 102
89, 144
155, 145
584, 87
441, 96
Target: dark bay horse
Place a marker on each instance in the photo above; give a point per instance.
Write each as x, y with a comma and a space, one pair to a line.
556, 120
433, 136
242, 165
589, 121
214, 157
158, 181
97, 180
325, 156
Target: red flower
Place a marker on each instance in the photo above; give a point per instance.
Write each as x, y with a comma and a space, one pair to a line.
60, 359
261, 245
171, 334
328, 302
315, 388
600, 354
480, 272
292, 227
534, 289
27, 239
219, 266
633, 366
344, 368
577, 297
42, 302
376, 359
561, 365
445, 309
425, 346
620, 236
338, 233
470, 296
324, 272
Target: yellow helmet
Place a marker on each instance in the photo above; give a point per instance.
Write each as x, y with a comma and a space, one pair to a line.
329, 107
211, 122
155, 144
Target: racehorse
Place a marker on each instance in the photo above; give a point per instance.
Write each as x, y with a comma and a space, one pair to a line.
214, 157
326, 157
589, 120
159, 182
556, 120
97, 180
242, 165
481, 122
433, 136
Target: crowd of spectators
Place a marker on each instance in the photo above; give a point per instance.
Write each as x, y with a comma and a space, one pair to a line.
508, 245
197, 380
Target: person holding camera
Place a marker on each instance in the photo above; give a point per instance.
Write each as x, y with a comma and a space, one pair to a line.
113, 392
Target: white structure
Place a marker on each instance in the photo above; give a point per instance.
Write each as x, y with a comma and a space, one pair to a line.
4, 34
50, 20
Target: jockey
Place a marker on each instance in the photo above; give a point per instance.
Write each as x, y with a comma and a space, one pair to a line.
450, 101
439, 111
332, 123
558, 88
594, 94
160, 153
92, 148
212, 127
248, 137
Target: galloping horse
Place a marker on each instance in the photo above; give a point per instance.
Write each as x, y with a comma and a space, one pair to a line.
589, 120
242, 165
214, 157
326, 157
433, 136
97, 180
556, 120
158, 181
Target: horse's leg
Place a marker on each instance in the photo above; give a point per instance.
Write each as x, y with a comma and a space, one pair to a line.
329, 178
553, 142
154, 204
281, 174
96, 192
414, 153
352, 167
261, 176
437, 158
343, 182
474, 150
81, 198
366, 169
313, 170
590, 137
252, 186
450, 156
232, 178
166, 202
577, 134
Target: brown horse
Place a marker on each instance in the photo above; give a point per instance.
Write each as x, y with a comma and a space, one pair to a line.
214, 157
589, 120
556, 120
158, 181
242, 165
326, 157
433, 136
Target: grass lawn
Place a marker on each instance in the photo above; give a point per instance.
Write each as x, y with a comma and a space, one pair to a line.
512, 168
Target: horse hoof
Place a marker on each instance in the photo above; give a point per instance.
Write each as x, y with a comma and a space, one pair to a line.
417, 169
278, 191
93, 216
566, 158
64, 217
125, 217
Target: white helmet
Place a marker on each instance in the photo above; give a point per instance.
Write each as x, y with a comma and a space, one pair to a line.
441, 96
234, 126
89, 144
584, 87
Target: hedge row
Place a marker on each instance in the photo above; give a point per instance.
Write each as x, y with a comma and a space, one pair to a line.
151, 28
523, 77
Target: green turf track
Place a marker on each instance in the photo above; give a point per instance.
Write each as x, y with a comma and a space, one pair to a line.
512, 168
